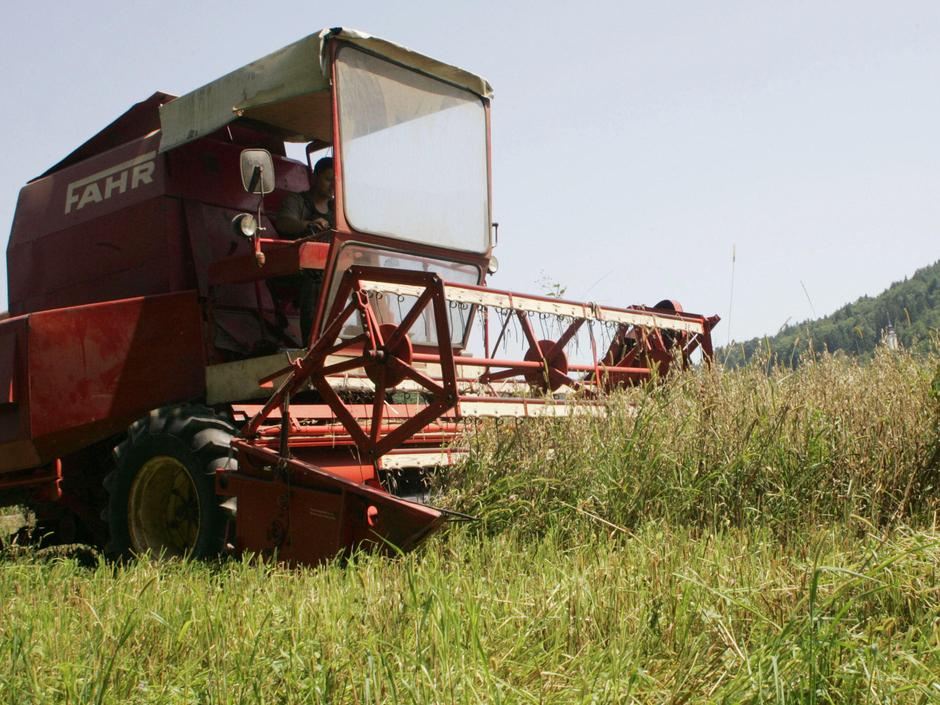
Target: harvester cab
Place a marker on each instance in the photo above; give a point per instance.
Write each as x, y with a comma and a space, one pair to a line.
228, 428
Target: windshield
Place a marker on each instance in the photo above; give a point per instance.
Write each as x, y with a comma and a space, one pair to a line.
393, 308
414, 155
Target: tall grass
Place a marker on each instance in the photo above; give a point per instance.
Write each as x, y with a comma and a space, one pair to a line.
665, 616
834, 439
728, 538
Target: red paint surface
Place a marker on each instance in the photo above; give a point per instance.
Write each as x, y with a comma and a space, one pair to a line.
306, 515
92, 370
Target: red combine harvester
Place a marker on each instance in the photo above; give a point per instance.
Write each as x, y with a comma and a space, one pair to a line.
156, 393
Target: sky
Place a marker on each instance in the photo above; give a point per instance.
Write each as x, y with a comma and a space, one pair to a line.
768, 162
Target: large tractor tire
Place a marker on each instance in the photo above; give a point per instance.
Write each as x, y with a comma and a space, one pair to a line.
161, 496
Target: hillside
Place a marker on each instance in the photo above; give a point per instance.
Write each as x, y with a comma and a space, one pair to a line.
911, 306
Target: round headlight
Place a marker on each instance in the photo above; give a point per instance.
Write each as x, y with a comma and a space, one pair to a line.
493, 265
245, 224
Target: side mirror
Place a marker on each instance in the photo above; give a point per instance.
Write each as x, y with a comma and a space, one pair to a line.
257, 169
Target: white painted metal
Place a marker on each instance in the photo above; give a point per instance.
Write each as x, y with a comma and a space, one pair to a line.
397, 461
519, 302
527, 408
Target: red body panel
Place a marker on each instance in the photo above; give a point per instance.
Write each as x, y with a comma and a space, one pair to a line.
83, 373
76, 241
305, 515
16, 448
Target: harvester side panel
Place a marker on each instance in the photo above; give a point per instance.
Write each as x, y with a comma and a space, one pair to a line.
17, 450
235, 317
132, 222
92, 370
205, 175
85, 191
134, 252
95, 231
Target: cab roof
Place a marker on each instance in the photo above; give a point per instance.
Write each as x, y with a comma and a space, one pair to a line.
288, 91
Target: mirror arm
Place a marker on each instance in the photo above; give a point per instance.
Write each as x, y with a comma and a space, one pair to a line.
255, 175
256, 238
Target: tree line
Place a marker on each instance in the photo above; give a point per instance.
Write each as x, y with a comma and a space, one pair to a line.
911, 307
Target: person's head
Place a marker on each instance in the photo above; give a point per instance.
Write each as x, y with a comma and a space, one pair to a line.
322, 182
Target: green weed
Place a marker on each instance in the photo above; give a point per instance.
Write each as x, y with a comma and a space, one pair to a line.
832, 440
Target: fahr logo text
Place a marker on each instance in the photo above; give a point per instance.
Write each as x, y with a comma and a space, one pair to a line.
112, 181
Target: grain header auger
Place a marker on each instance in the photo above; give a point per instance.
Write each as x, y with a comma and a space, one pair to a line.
155, 392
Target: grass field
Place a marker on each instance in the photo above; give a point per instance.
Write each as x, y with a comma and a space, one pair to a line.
736, 537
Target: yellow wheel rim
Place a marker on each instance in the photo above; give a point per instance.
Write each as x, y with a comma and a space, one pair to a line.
163, 508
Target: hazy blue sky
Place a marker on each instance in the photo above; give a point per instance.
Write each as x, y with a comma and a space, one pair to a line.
635, 144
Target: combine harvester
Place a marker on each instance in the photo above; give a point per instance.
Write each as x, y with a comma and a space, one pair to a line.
156, 395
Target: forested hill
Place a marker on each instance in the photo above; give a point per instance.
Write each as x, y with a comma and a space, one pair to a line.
911, 306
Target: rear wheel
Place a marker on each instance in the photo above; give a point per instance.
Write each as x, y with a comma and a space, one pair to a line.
161, 496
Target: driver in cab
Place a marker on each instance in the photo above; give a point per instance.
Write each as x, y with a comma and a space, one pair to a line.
310, 214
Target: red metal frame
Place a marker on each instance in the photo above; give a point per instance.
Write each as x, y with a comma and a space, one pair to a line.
381, 353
